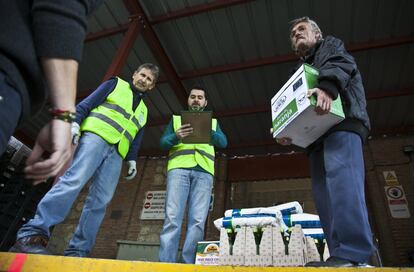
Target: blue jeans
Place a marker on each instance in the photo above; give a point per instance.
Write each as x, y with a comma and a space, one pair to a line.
94, 158
184, 186
338, 177
10, 110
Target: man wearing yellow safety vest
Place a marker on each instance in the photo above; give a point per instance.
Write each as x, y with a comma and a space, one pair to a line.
189, 180
111, 121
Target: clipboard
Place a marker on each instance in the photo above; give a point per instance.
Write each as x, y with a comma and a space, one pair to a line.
200, 121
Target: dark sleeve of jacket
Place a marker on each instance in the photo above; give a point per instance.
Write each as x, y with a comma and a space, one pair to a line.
336, 66
95, 99
59, 27
339, 74
135, 146
31, 30
168, 138
218, 138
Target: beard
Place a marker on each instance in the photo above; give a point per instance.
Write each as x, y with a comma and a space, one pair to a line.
196, 107
302, 49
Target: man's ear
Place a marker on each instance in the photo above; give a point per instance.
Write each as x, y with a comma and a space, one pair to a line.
318, 36
152, 86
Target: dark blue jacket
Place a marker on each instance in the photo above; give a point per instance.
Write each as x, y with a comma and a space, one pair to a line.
339, 74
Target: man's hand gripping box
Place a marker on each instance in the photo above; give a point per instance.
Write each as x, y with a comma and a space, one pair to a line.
293, 113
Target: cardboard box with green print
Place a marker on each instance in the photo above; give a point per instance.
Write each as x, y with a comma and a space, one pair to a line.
293, 113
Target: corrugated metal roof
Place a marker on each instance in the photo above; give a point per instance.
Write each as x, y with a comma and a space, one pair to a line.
216, 43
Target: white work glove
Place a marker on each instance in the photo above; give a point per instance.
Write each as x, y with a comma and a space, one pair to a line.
132, 170
75, 133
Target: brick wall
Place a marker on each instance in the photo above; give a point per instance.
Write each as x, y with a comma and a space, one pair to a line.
153, 179
395, 235
272, 192
115, 224
220, 192
120, 214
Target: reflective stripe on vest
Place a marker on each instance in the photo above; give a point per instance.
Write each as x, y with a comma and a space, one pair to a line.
123, 112
114, 120
112, 123
189, 152
191, 155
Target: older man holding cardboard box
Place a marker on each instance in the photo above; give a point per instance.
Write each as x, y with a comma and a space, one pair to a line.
337, 165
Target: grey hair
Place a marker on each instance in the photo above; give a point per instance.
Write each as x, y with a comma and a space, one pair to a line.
152, 67
306, 19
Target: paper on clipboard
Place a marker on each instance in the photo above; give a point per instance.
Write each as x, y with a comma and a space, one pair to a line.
200, 121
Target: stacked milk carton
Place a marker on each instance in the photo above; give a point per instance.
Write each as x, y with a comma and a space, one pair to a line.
269, 236
315, 243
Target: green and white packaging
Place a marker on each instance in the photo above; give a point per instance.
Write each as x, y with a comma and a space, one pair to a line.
293, 113
207, 253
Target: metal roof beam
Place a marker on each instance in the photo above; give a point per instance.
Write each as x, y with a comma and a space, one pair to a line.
124, 49
93, 36
230, 150
387, 94
266, 107
291, 57
218, 4
286, 149
219, 114
265, 61
158, 51
392, 130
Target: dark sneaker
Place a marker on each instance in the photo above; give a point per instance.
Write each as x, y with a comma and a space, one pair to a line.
333, 262
32, 245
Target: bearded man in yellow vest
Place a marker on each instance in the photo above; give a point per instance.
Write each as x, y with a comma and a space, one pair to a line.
111, 121
189, 180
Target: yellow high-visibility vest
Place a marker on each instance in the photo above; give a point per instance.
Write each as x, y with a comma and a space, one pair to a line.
190, 155
114, 120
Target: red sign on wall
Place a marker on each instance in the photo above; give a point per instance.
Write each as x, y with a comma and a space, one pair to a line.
397, 202
153, 206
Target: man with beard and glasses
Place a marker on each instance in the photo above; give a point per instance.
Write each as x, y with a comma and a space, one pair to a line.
111, 121
189, 180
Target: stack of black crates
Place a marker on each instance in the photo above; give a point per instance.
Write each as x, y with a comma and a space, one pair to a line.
18, 198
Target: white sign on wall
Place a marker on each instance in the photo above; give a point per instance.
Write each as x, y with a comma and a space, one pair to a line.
397, 202
153, 206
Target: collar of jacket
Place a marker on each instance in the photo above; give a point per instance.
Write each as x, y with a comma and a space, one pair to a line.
311, 53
